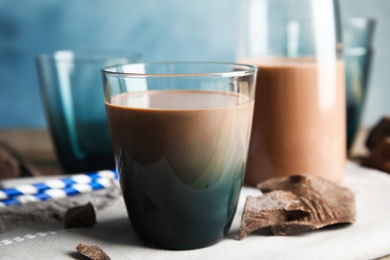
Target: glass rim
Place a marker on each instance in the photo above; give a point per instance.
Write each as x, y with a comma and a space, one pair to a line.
357, 51
244, 69
87, 55
359, 20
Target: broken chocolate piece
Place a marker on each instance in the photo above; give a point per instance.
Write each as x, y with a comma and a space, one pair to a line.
12, 165
80, 216
328, 203
9, 166
93, 252
379, 157
270, 209
380, 130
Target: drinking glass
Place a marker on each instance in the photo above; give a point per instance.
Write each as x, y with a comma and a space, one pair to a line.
180, 133
299, 124
358, 33
72, 93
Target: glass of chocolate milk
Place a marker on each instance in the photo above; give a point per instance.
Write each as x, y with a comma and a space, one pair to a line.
180, 134
299, 124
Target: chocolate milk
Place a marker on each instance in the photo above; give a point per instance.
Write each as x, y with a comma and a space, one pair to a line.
299, 120
181, 157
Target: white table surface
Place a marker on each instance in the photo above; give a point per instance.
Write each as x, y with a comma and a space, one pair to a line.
368, 238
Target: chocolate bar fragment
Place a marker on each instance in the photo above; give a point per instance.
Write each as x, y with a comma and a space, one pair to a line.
12, 165
380, 130
9, 166
296, 204
93, 252
379, 157
270, 209
80, 216
328, 203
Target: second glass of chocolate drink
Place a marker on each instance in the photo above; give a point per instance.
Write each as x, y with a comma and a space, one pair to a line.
180, 133
299, 124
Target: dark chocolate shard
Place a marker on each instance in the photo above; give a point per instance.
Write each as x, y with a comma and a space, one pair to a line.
380, 130
327, 202
9, 165
270, 209
379, 157
12, 165
80, 216
293, 228
93, 252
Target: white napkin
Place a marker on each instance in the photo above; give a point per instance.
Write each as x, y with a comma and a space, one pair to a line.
368, 238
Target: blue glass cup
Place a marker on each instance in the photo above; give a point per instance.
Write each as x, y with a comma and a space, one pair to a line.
358, 34
72, 92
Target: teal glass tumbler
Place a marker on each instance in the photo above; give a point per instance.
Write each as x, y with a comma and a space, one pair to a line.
72, 91
358, 34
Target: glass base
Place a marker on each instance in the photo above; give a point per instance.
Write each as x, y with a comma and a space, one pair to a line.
178, 247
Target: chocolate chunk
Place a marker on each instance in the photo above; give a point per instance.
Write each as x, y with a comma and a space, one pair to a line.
9, 166
93, 252
379, 157
327, 202
80, 216
380, 130
12, 165
272, 208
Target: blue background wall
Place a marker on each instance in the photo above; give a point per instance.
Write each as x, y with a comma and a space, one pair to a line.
160, 30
